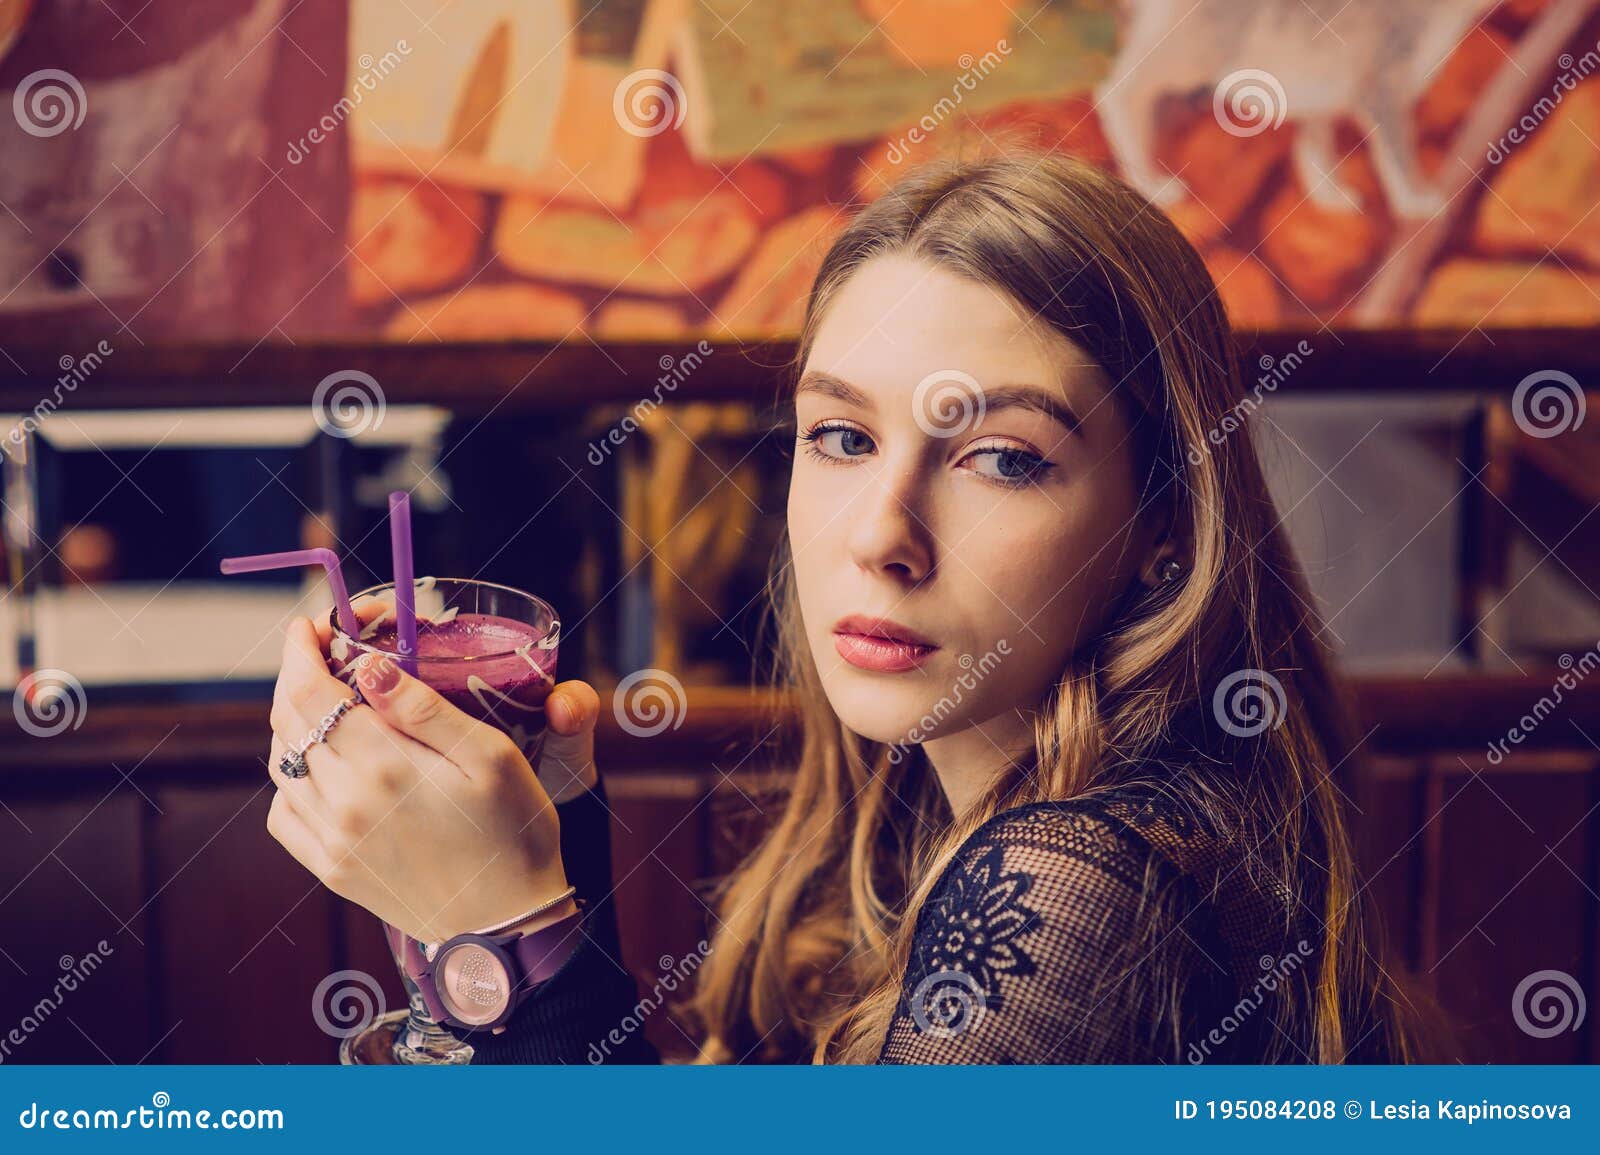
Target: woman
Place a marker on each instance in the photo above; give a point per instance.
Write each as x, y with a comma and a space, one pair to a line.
1067, 788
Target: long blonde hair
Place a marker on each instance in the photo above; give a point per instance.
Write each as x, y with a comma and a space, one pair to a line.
815, 927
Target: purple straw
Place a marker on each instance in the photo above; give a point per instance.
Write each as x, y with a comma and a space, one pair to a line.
405, 585
322, 556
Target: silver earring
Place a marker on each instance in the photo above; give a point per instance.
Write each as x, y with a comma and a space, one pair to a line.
1170, 569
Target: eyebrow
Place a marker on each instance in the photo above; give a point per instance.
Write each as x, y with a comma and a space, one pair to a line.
995, 398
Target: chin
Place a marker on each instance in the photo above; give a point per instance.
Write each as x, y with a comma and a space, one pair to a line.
885, 709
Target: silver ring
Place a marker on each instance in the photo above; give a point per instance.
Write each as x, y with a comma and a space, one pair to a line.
293, 763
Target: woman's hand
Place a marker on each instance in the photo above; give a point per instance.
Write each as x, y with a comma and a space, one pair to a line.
430, 819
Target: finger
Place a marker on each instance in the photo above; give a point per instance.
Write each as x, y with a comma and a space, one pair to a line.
366, 611
296, 836
304, 795
420, 713
361, 748
305, 686
566, 759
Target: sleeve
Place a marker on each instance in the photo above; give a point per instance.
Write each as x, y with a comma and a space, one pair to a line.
1055, 935
587, 1012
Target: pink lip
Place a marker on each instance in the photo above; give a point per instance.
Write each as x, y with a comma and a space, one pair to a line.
881, 628
880, 653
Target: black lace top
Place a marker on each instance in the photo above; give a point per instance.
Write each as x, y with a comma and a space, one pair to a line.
1111, 928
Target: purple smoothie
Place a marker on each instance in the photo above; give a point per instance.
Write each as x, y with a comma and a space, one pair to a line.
494, 668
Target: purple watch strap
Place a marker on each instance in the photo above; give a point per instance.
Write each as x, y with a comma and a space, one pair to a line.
533, 958
540, 954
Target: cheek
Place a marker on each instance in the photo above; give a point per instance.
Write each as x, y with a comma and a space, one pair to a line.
1048, 586
812, 539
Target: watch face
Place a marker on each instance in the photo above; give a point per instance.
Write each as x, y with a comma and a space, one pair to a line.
472, 984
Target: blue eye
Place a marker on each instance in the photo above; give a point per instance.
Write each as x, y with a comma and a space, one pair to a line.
851, 442
837, 444
1013, 466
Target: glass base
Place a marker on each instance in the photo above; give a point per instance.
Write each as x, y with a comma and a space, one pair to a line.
392, 1040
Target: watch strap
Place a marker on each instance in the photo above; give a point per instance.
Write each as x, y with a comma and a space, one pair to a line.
540, 955
531, 959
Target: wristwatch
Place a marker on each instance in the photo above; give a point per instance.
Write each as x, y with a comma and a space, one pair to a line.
475, 982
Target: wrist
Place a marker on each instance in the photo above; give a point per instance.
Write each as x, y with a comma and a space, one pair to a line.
563, 784
545, 918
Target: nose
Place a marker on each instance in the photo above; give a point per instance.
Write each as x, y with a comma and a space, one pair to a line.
887, 534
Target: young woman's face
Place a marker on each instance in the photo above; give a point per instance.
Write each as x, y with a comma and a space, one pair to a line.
963, 476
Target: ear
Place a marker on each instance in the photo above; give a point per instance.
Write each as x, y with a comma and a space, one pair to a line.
1164, 549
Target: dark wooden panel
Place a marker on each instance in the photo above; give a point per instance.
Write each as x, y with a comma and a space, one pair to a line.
660, 873
365, 950
522, 376
1388, 837
1514, 846
71, 876
243, 933
722, 724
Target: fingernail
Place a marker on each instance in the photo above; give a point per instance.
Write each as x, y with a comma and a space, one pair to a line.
377, 674
559, 712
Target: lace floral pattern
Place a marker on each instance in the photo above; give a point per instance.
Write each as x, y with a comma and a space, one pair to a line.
968, 938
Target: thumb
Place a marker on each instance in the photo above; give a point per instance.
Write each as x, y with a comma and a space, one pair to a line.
566, 759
